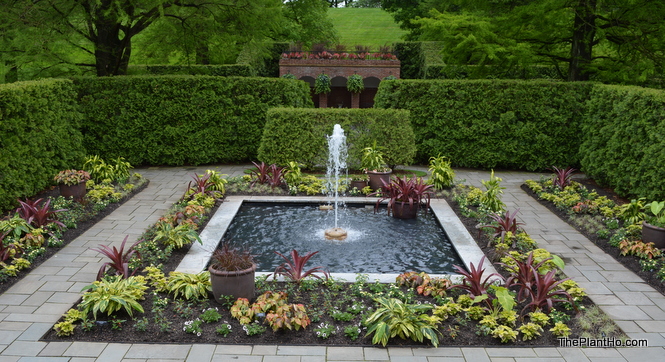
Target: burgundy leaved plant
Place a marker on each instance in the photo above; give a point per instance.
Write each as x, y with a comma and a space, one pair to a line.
203, 185
503, 223
120, 259
414, 192
39, 215
545, 292
473, 281
562, 176
272, 175
522, 276
294, 269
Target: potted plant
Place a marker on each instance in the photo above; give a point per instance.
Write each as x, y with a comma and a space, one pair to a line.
355, 85
405, 197
72, 183
377, 170
358, 181
653, 227
232, 273
322, 85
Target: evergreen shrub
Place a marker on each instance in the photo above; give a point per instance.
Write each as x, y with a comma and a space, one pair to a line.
529, 125
300, 135
39, 136
624, 142
178, 120
221, 70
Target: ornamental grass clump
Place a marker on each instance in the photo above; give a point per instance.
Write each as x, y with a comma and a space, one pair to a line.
227, 258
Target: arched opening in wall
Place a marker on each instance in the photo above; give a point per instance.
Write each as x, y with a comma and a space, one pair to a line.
367, 95
339, 96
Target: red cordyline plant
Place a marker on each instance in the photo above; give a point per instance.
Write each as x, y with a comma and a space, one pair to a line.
473, 280
504, 223
521, 275
294, 269
272, 175
546, 291
203, 185
413, 191
39, 215
120, 258
562, 176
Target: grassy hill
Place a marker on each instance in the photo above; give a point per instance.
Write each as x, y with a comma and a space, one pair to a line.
365, 26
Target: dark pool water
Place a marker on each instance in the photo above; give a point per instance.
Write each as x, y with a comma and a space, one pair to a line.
377, 243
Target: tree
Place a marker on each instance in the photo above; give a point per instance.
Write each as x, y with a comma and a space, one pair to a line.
594, 37
306, 22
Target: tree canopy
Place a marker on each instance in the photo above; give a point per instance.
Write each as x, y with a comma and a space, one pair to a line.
612, 40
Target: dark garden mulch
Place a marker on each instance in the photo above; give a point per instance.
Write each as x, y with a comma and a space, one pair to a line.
630, 262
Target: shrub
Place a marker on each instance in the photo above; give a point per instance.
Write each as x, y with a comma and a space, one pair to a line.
394, 318
113, 294
190, 286
305, 143
492, 123
176, 120
40, 136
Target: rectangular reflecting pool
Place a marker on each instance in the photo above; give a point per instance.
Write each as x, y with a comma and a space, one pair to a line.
376, 242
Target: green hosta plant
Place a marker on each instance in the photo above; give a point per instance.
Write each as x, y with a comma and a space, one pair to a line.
177, 236
354, 83
190, 286
441, 172
394, 318
633, 212
112, 294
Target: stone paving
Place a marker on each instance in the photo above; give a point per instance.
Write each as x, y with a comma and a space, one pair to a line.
33, 305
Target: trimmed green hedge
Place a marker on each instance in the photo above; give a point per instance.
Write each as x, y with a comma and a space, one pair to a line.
442, 71
300, 135
412, 59
39, 136
222, 70
624, 140
178, 120
528, 125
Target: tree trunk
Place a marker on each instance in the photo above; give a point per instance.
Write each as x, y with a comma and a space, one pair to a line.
584, 33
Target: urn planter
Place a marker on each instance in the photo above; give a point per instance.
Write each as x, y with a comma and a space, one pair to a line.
653, 234
377, 179
76, 191
239, 284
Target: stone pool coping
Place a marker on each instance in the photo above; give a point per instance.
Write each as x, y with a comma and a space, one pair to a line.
199, 254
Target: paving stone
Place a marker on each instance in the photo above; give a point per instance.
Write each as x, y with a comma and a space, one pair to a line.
625, 312
442, 352
301, 350
629, 326
475, 354
234, 350
55, 349
13, 299
446, 359
24, 348
653, 339
654, 311
236, 358
158, 351
312, 358
399, 351
547, 352
375, 354
510, 352
113, 352
642, 354
201, 353
35, 331
652, 326
7, 337
408, 359
264, 350
633, 298
282, 359
345, 353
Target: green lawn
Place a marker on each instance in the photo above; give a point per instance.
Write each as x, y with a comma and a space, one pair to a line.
365, 26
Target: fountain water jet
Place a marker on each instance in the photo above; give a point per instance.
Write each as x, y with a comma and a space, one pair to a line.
337, 153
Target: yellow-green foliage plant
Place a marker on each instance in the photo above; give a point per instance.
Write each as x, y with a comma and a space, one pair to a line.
112, 294
394, 318
189, 286
441, 172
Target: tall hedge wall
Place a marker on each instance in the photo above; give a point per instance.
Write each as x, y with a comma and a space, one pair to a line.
222, 70
177, 120
300, 135
39, 136
528, 125
624, 140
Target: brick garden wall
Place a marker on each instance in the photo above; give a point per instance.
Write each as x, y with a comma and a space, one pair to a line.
339, 67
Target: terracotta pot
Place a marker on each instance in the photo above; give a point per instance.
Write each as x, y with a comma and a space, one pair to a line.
653, 234
402, 210
375, 179
239, 284
75, 191
358, 184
